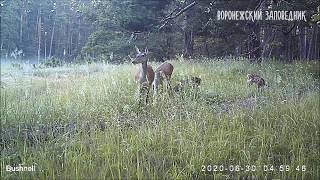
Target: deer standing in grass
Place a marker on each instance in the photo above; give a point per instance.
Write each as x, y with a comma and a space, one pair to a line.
162, 73
144, 76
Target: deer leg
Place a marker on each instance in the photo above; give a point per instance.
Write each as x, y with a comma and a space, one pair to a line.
147, 95
169, 87
168, 84
140, 96
166, 80
143, 93
155, 88
260, 89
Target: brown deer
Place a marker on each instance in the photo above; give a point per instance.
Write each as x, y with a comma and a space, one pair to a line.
144, 76
256, 79
162, 73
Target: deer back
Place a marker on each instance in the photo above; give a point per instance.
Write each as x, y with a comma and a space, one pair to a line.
166, 68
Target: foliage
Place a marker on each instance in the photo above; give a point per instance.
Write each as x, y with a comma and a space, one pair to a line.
117, 22
32, 24
115, 27
316, 16
52, 62
9, 25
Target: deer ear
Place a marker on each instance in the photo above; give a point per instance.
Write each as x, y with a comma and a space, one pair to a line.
146, 50
137, 49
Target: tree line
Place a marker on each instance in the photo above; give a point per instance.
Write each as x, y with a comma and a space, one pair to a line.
77, 30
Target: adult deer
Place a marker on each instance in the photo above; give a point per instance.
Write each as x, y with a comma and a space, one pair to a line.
144, 76
162, 73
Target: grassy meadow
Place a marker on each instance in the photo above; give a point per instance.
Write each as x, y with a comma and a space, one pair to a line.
84, 122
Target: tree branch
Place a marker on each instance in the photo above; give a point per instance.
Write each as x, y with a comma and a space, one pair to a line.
166, 20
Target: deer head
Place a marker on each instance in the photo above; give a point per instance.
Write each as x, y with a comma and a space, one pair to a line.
141, 57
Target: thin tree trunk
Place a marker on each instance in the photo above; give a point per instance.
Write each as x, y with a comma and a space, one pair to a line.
310, 51
22, 13
206, 48
52, 35
71, 38
188, 32
255, 49
79, 34
71, 44
26, 23
315, 42
45, 46
39, 34
302, 43
21, 26
318, 45
268, 36
188, 43
289, 47
305, 42
66, 41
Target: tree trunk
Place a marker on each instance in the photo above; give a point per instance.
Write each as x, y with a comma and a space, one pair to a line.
70, 41
316, 45
45, 45
188, 32
52, 35
206, 49
312, 43
21, 26
65, 42
255, 46
266, 33
79, 35
27, 27
284, 50
289, 47
267, 39
316, 29
22, 13
71, 44
302, 42
188, 43
39, 34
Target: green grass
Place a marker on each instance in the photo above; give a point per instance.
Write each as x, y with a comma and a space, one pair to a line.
227, 123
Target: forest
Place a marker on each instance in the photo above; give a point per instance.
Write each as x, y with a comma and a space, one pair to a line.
160, 89
78, 30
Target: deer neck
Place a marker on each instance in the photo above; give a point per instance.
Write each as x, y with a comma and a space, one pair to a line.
143, 76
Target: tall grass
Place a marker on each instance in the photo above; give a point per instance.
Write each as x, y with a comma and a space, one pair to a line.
105, 134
